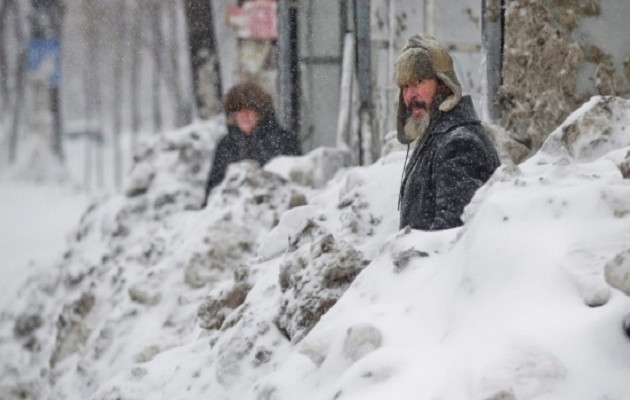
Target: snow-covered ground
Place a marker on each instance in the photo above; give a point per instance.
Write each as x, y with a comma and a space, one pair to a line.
296, 283
36, 219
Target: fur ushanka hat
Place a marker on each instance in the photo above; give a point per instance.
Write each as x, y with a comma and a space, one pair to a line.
423, 57
248, 95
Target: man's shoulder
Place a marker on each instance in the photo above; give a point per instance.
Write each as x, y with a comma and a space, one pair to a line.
465, 136
467, 131
469, 141
462, 116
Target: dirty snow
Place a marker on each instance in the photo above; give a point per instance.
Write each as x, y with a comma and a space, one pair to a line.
286, 287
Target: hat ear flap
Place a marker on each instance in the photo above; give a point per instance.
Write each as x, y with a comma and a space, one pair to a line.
401, 119
450, 80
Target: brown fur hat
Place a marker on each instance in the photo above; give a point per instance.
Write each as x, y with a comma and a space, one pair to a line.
423, 57
248, 95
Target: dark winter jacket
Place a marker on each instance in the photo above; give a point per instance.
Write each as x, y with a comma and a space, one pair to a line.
266, 141
452, 161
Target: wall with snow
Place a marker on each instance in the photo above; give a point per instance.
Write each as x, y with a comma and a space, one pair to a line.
557, 54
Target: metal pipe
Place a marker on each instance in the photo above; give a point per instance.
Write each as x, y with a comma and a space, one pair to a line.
492, 44
364, 77
288, 68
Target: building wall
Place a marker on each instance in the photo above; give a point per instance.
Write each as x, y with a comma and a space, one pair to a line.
320, 46
322, 26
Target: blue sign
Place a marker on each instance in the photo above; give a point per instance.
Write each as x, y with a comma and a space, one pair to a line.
42, 52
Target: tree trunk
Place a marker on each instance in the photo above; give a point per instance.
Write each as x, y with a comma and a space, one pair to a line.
182, 111
92, 96
206, 71
20, 83
46, 22
88, 157
4, 68
117, 92
55, 11
288, 69
155, 10
134, 84
55, 109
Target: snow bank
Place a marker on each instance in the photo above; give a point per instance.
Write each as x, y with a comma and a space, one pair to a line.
282, 290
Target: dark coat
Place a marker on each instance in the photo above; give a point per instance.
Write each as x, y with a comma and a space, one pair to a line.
266, 141
452, 161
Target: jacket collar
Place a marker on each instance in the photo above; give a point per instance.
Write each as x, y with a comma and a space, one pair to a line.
265, 125
463, 113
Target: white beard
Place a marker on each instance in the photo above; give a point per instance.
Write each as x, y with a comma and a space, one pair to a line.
416, 128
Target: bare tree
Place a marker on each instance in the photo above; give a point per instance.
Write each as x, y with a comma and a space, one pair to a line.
4, 68
134, 84
183, 112
155, 11
92, 93
55, 11
117, 85
20, 77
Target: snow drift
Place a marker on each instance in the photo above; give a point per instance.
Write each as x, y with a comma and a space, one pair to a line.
287, 287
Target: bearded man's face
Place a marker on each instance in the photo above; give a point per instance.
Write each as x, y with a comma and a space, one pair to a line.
419, 98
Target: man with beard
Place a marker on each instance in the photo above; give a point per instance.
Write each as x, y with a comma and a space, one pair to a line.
453, 156
253, 132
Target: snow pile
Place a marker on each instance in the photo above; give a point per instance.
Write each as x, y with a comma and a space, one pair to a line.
515, 305
277, 290
600, 125
67, 316
314, 169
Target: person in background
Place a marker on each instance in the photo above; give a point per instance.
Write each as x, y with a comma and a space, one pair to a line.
453, 156
253, 132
